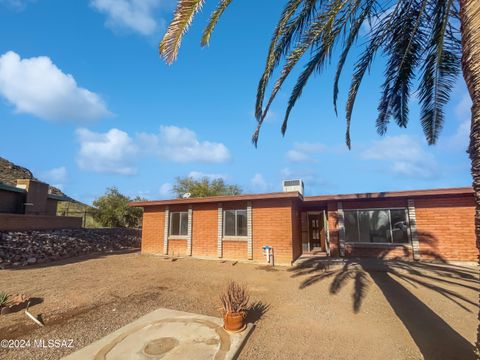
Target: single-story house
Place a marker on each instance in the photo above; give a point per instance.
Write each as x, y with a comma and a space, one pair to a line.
418, 225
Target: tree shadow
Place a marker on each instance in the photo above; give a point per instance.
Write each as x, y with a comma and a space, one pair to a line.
435, 338
256, 311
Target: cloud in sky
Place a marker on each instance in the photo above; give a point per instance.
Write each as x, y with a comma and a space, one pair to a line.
404, 155
136, 15
303, 152
181, 145
58, 174
259, 184
16, 4
198, 175
110, 152
56, 177
166, 190
36, 86
115, 151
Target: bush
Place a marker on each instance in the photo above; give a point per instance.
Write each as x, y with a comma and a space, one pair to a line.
112, 210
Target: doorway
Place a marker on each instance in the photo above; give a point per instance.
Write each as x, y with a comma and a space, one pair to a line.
314, 232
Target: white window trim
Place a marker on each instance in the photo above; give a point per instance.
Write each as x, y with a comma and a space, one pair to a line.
234, 237
409, 240
178, 236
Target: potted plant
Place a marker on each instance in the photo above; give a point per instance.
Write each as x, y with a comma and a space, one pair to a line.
234, 306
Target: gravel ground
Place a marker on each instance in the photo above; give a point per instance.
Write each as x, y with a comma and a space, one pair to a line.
356, 311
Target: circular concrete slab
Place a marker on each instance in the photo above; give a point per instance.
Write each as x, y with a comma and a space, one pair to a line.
167, 334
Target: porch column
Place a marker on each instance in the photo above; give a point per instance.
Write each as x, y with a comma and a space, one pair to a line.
412, 229
220, 231
249, 231
166, 230
341, 229
189, 233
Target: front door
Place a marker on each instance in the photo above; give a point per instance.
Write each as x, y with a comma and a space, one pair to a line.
314, 231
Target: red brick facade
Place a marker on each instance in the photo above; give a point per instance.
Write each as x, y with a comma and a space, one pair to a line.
444, 227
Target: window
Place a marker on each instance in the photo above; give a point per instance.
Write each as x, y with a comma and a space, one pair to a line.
179, 223
235, 223
376, 226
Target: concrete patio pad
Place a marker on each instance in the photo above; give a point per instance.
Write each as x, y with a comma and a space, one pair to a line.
167, 334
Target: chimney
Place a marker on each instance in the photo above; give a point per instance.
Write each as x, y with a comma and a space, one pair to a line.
36, 198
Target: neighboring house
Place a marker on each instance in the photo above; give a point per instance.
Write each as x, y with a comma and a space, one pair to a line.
30, 205
424, 224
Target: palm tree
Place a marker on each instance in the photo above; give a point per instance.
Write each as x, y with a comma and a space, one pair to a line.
426, 44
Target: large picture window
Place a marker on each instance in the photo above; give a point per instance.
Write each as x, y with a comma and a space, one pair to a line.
179, 223
376, 226
235, 223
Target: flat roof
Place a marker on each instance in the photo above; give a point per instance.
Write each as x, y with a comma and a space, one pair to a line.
307, 199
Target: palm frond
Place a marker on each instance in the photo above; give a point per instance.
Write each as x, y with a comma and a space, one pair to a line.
319, 32
379, 33
403, 47
439, 72
272, 60
352, 36
207, 33
184, 13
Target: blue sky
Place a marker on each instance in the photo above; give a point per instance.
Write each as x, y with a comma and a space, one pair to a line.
86, 103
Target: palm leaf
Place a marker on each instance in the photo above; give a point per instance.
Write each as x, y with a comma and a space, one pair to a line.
319, 31
207, 33
439, 73
272, 60
352, 36
184, 13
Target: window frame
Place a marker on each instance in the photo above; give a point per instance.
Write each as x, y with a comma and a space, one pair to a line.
182, 236
235, 236
391, 243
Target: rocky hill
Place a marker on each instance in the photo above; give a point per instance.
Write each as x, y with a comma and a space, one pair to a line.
10, 172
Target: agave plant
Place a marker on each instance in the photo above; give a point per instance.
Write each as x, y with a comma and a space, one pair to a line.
235, 298
3, 299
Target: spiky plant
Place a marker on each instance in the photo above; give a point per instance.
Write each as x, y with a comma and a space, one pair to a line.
426, 43
235, 298
3, 299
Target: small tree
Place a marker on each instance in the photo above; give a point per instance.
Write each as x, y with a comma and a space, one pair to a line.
204, 187
112, 210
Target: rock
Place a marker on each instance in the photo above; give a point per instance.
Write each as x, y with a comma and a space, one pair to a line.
31, 260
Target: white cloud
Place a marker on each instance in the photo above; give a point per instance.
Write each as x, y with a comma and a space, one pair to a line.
181, 145
136, 15
110, 152
404, 155
16, 4
56, 175
198, 175
36, 86
302, 152
259, 184
166, 190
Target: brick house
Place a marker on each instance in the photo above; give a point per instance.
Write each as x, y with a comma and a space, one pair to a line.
421, 225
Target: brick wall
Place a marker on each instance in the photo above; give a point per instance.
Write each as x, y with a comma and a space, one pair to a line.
235, 250
446, 229
177, 247
11, 201
204, 230
21, 222
296, 231
272, 225
152, 229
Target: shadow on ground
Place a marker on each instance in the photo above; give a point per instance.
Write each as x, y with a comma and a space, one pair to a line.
434, 337
256, 311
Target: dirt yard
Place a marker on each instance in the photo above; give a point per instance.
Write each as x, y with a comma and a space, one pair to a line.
352, 311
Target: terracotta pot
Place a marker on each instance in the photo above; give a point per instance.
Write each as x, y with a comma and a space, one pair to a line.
234, 321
